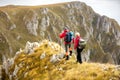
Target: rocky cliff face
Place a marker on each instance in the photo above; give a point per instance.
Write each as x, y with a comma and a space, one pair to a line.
19, 24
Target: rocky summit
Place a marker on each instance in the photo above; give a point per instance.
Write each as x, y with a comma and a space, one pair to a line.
45, 61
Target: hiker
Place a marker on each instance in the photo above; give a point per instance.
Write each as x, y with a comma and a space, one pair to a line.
77, 46
67, 35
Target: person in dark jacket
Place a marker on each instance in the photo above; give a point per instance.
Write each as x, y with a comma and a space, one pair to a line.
77, 48
67, 44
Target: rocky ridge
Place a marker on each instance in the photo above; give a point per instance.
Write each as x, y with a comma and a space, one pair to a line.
45, 61
19, 24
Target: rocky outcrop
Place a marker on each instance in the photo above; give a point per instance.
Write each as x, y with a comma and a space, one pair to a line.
21, 24
4, 47
31, 22
45, 50
47, 58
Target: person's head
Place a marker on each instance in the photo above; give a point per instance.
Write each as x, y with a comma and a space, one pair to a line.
77, 34
66, 29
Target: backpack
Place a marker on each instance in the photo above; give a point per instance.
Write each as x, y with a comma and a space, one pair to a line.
81, 44
68, 37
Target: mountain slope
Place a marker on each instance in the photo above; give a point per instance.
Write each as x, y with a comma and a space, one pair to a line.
19, 24
48, 63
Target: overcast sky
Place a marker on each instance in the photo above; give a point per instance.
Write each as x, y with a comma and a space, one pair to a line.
109, 8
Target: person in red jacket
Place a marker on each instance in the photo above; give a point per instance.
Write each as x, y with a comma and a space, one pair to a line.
78, 50
67, 44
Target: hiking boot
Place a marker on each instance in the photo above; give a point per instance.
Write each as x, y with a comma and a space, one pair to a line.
79, 61
67, 57
70, 53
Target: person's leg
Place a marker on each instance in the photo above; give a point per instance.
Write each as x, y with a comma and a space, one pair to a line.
65, 47
77, 54
80, 55
70, 49
66, 50
79, 58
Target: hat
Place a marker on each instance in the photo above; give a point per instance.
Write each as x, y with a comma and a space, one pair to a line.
65, 28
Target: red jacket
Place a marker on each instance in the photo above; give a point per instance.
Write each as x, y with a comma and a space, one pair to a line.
76, 41
63, 34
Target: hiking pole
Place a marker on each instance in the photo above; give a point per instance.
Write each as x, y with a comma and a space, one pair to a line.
60, 46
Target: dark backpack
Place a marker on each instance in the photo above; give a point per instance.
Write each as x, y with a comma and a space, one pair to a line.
68, 37
81, 44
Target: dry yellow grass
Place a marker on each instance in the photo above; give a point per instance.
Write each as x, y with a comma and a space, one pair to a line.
31, 67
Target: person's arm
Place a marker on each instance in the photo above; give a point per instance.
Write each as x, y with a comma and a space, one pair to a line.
76, 42
62, 35
73, 40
